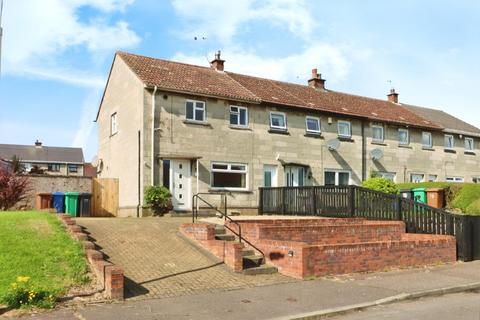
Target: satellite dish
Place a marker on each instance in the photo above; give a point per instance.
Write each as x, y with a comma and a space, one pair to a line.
376, 154
333, 144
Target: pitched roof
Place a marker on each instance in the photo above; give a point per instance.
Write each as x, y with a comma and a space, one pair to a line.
447, 121
41, 154
193, 79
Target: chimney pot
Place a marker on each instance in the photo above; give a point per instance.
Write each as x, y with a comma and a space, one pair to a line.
217, 63
392, 96
316, 81
38, 143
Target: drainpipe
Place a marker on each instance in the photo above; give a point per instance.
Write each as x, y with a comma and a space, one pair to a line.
364, 153
138, 175
153, 136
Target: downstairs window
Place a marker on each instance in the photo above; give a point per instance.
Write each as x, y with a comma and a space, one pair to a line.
229, 176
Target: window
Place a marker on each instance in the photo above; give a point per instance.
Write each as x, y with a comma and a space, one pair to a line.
344, 129
403, 137
277, 121
337, 178
195, 110
166, 173
53, 167
449, 141
427, 140
312, 124
238, 116
386, 175
454, 179
469, 144
269, 176
476, 179
432, 178
72, 168
229, 176
113, 124
377, 133
294, 176
417, 177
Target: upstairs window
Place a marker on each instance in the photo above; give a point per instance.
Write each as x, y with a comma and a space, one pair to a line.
469, 146
312, 124
403, 137
195, 110
344, 129
377, 133
427, 140
72, 168
238, 116
449, 141
278, 121
229, 176
113, 124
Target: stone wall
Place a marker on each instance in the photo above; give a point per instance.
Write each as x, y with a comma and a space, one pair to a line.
45, 183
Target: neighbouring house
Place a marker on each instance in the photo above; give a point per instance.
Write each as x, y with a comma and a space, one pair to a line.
89, 170
38, 158
198, 129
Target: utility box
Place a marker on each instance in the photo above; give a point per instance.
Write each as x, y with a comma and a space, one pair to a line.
436, 197
43, 200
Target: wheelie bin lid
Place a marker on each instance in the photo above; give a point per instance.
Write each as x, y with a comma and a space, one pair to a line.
418, 189
72, 193
58, 193
404, 190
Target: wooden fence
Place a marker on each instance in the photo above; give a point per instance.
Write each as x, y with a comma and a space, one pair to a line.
104, 197
353, 201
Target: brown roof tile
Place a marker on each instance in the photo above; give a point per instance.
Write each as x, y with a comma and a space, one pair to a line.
194, 79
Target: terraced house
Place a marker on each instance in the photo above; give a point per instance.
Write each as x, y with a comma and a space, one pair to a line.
199, 129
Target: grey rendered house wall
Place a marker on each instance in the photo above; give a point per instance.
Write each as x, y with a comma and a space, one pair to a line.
124, 95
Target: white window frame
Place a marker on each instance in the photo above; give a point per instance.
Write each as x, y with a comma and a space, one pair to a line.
432, 180
447, 138
349, 129
238, 116
431, 140
378, 126
284, 120
195, 108
337, 175
71, 166
387, 175
404, 143
473, 144
417, 174
113, 123
228, 170
454, 179
314, 119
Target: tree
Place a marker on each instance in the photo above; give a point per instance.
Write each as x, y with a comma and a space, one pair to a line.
13, 188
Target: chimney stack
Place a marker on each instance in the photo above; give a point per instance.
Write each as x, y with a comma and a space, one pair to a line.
38, 144
217, 63
316, 81
392, 96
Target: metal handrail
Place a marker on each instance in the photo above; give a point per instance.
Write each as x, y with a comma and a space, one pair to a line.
224, 215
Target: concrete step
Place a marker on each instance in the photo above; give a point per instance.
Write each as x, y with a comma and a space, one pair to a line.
247, 252
263, 269
252, 261
225, 237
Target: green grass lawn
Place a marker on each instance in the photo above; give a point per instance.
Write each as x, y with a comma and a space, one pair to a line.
35, 245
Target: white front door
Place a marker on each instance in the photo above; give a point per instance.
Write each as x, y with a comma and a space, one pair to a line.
269, 175
294, 176
180, 184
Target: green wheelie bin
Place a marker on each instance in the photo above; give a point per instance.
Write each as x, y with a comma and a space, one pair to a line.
71, 203
419, 195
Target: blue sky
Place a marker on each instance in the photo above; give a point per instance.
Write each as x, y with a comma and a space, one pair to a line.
57, 53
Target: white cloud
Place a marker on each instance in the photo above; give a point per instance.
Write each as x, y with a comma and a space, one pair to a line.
40, 35
331, 61
222, 19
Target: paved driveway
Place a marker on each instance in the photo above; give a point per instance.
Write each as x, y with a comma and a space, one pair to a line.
158, 263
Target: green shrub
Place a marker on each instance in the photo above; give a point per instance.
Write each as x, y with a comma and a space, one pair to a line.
159, 198
22, 294
474, 208
381, 184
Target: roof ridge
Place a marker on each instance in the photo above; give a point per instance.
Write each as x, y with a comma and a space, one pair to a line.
164, 60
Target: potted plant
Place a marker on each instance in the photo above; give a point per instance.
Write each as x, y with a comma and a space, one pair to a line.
159, 198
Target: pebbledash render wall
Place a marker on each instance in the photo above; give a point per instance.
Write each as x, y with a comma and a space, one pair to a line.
255, 146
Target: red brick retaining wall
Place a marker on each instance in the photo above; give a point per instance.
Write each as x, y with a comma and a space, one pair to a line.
110, 276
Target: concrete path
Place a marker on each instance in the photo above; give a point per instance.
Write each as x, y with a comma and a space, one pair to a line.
295, 300
158, 263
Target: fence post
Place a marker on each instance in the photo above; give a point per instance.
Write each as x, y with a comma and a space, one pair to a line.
314, 200
283, 200
399, 208
464, 238
351, 198
260, 201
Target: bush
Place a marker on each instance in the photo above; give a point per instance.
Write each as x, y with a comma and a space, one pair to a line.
474, 208
13, 188
23, 294
159, 198
381, 184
